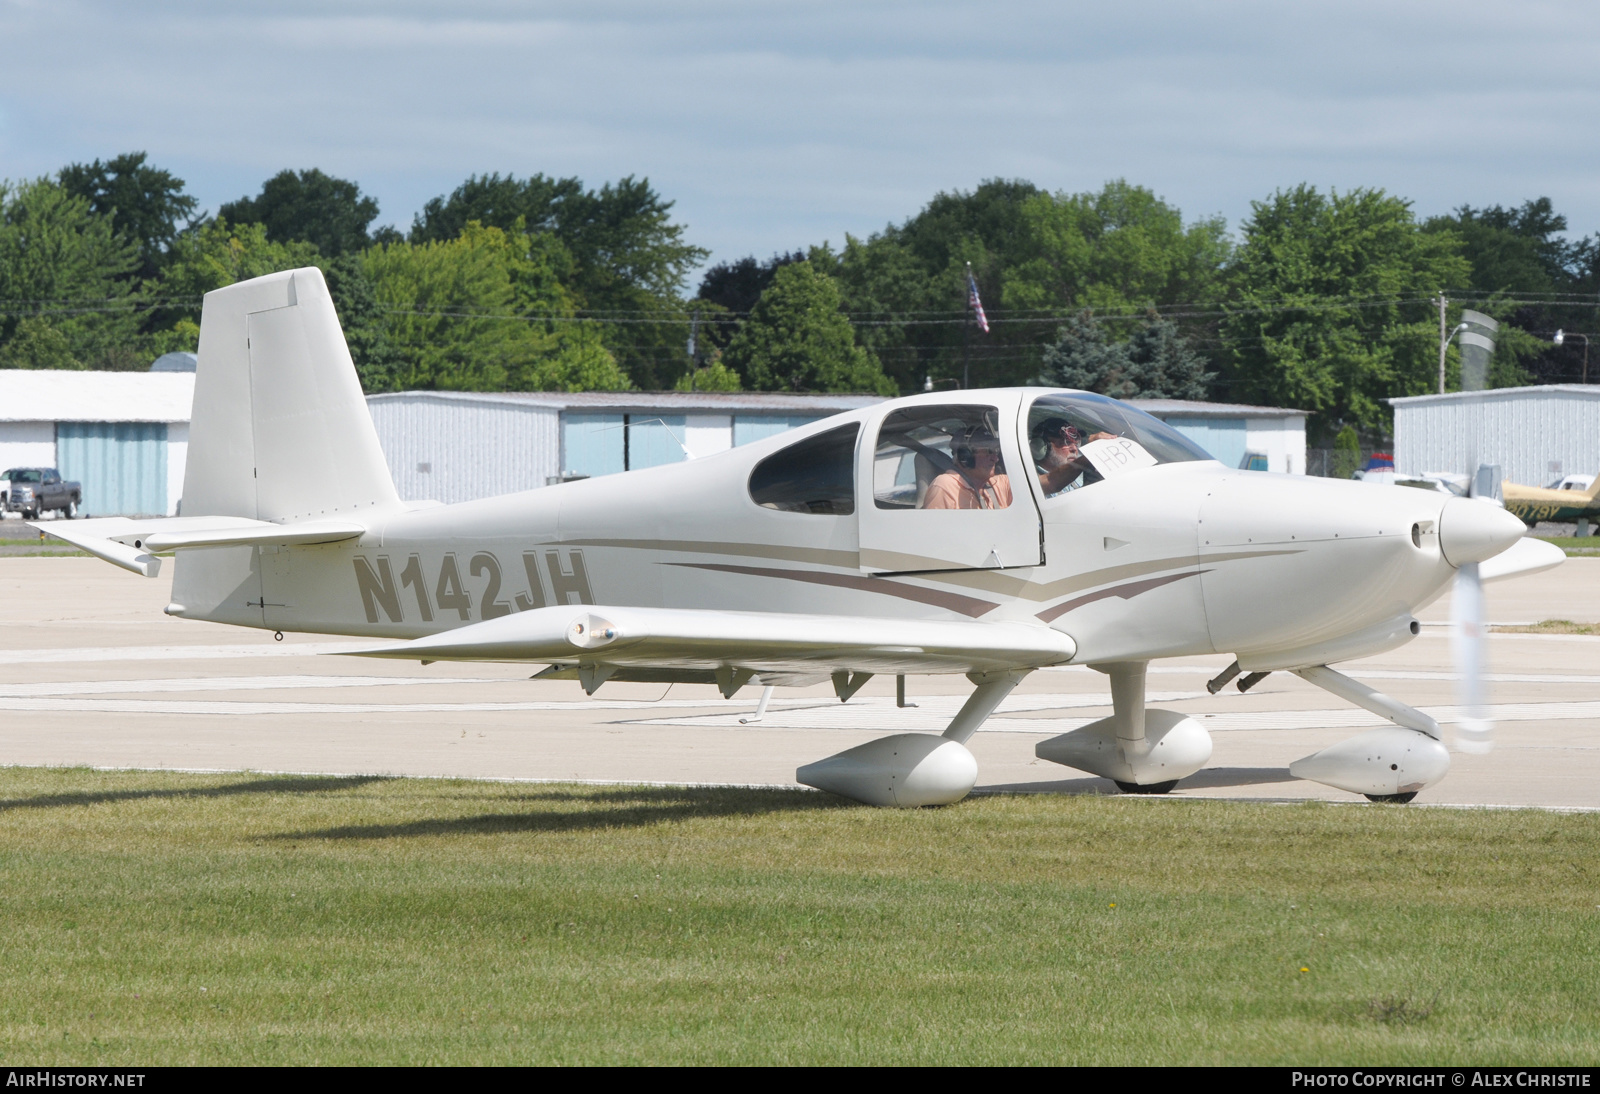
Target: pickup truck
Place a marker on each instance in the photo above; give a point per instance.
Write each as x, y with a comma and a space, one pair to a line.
33, 490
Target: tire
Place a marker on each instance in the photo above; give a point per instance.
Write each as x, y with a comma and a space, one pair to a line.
1392, 799
1148, 788
70, 511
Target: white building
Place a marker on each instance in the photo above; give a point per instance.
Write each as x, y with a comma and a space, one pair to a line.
123, 435
455, 446
1535, 434
1265, 438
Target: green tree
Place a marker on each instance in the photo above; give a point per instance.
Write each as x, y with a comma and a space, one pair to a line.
309, 207
1327, 310
1036, 257
36, 344
626, 260
211, 255
1118, 251
1522, 268
496, 201
147, 205
1083, 357
729, 290
220, 252
1511, 250
365, 323
66, 297
1156, 362
1163, 364
797, 340
713, 377
485, 312
1346, 453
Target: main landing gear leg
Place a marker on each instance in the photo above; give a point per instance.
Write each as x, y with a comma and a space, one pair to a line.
1127, 699
993, 687
1142, 751
912, 769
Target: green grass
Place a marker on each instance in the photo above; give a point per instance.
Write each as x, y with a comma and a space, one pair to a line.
1548, 626
165, 918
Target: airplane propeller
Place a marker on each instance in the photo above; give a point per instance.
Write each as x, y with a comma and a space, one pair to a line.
1474, 730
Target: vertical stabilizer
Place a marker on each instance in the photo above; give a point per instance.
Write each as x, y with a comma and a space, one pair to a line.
280, 429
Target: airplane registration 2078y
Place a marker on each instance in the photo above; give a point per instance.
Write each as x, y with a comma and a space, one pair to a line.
987, 533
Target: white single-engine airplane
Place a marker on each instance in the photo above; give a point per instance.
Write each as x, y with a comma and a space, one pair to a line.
988, 533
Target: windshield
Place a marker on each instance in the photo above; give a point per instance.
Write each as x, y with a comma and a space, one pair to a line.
19, 474
1079, 439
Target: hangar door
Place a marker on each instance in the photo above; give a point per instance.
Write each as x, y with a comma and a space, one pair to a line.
122, 466
1223, 438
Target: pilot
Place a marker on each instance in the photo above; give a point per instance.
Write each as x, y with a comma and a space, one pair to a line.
977, 481
1062, 463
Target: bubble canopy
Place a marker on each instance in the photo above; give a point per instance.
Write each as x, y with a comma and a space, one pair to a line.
1077, 439
1087, 415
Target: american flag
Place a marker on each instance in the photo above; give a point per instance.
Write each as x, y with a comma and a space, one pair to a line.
976, 304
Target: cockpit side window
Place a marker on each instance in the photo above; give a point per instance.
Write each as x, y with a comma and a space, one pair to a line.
1065, 434
940, 457
816, 475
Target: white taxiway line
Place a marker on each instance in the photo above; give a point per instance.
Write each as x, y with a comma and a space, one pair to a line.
89, 654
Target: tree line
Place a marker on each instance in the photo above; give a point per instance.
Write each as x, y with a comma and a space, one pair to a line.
1324, 301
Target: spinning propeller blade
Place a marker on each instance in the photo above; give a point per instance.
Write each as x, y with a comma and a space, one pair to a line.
1474, 732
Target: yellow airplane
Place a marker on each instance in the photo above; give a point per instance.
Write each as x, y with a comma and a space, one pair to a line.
1536, 503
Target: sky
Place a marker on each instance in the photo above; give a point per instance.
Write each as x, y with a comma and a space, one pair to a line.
776, 126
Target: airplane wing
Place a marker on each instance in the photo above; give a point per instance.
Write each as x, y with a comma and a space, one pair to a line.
1526, 556
762, 643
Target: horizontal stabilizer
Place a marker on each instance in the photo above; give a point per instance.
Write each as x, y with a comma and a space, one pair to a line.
762, 642
260, 534
129, 541
82, 536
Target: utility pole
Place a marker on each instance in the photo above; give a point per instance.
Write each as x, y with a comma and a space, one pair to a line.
694, 329
1444, 339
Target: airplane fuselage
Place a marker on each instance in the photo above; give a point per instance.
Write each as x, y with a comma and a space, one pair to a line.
1169, 560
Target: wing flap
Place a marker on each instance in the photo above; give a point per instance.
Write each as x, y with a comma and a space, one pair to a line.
682, 638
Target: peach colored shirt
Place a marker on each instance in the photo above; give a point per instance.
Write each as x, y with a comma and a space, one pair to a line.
951, 491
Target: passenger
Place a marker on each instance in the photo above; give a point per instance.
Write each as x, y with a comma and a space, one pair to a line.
1063, 461
978, 480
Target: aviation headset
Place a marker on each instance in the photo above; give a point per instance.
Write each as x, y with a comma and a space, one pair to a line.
1051, 428
978, 436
